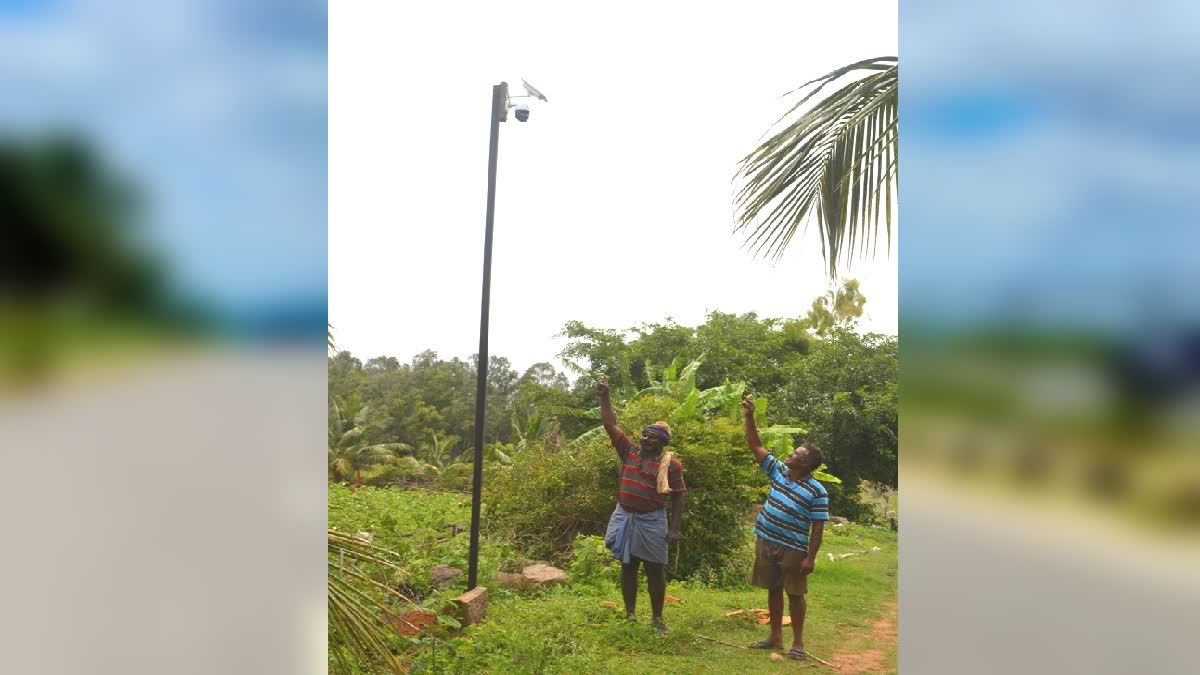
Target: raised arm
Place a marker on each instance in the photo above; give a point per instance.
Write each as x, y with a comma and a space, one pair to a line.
752, 439
607, 417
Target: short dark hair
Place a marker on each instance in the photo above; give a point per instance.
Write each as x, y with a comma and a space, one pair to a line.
817, 455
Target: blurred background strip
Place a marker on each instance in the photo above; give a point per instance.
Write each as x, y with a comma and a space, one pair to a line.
1050, 337
162, 335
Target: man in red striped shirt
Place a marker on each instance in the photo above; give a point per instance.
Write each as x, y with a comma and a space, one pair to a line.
638, 532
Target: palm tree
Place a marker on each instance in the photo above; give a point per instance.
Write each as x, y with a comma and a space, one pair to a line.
347, 455
836, 161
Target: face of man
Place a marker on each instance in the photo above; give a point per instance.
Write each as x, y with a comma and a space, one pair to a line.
652, 443
799, 460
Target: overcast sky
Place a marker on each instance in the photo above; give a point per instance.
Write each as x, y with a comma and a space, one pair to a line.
613, 201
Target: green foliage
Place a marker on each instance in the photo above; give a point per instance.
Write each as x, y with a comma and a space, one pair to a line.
439, 451
455, 477
822, 475
594, 353
837, 390
410, 532
567, 629
592, 563
422, 528
838, 307
548, 498
413, 402
844, 502
846, 391
402, 471
349, 456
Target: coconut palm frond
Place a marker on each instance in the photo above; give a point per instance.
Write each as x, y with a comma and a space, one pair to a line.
835, 162
358, 635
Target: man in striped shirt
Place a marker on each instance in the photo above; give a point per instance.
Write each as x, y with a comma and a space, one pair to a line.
638, 531
786, 551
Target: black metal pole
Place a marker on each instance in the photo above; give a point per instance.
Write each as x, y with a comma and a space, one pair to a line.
499, 112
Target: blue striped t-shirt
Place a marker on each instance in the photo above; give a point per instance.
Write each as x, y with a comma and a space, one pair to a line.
790, 507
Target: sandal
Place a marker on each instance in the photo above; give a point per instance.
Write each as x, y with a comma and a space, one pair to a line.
796, 654
765, 644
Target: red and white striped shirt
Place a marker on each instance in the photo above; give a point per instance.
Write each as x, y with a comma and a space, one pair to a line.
638, 487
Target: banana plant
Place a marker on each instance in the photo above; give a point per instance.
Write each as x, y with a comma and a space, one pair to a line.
587, 437
678, 379
724, 400
679, 383
825, 477
536, 426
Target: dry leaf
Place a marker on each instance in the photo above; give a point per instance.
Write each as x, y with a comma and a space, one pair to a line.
776, 656
735, 612
671, 598
761, 611
608, 603
763, 620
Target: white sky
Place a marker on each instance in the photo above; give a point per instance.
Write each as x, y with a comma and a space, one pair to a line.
613, 202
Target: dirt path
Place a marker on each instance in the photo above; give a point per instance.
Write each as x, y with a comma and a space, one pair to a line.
883, 632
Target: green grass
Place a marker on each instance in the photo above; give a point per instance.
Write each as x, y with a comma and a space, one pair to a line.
568, 630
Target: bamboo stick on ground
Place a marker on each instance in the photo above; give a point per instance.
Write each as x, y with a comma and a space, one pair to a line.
807, 653
705, 637
819, 659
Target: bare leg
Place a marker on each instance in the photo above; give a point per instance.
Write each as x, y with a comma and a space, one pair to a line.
656, 584
775, 605
629, 587
798, 606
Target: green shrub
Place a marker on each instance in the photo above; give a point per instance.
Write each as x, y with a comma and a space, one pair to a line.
844, 501
547, 498
592, 564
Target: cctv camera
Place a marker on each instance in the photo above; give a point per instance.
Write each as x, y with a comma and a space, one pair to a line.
522, 112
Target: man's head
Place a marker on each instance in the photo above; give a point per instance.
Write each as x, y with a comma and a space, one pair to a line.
655, 437
804, 459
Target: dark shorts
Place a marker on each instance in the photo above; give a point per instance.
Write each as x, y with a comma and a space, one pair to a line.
777, 566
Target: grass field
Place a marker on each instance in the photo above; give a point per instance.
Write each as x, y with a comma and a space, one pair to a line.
851, 616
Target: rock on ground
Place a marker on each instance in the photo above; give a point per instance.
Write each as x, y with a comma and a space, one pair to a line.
541, 574
441, 574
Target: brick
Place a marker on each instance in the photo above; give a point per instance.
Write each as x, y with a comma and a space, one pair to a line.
472, 605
